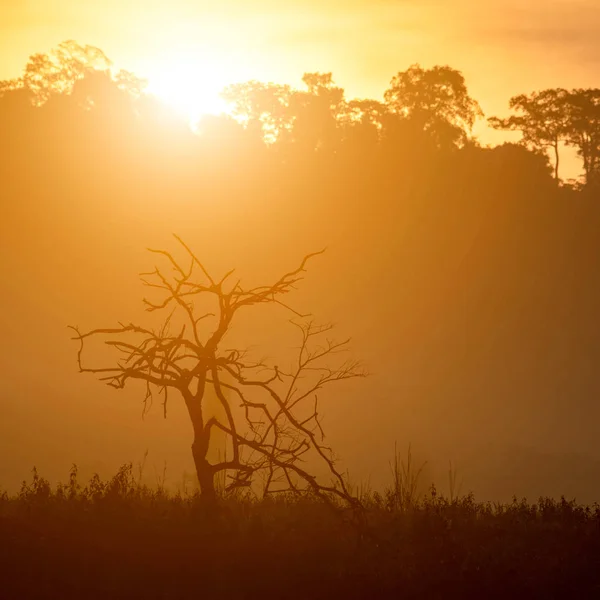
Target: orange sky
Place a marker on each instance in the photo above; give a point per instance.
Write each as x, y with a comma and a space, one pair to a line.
503, 47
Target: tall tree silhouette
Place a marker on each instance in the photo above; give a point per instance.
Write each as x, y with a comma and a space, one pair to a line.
435, 101
543, 120
583, 111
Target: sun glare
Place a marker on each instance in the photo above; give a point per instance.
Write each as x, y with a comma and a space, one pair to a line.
190, 88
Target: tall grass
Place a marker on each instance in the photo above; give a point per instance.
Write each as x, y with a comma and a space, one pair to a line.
121, 538
403, 493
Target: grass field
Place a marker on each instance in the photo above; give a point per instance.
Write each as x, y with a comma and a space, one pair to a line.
121, 539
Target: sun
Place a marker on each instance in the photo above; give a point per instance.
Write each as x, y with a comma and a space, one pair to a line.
190, 87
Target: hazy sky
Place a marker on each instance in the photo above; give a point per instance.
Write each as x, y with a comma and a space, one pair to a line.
503, 47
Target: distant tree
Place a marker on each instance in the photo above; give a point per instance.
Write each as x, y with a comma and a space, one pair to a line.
362, 123
554, 116
543, 120
130, 83
322, 85
263, 108
366, 111
72, 69
316, 113
435, 101
583, 115
57, 71
307, 119
270, 414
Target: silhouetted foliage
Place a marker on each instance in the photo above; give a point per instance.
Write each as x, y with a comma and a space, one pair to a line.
425, 111
583, 109
553, 116
121, 539
435, 101
543, 121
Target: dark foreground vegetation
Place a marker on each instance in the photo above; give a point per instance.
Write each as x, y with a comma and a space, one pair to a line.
120, 539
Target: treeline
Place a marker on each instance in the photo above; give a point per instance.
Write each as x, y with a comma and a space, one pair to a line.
424, 111
553, 117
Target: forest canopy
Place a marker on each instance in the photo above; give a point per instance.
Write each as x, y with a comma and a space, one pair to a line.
424, 112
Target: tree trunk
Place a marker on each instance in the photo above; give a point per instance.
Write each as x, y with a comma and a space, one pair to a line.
556, 161
204, 470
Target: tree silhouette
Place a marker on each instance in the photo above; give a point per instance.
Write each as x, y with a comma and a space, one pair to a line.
316, 114
552, 116
361, 127
543, 121
270, 414
435, 101
57, 71
307, 119
263, 108
583, 113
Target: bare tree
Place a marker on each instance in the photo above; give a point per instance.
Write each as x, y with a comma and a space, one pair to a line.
270, 416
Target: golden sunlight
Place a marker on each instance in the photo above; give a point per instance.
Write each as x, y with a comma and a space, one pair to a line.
189, 86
